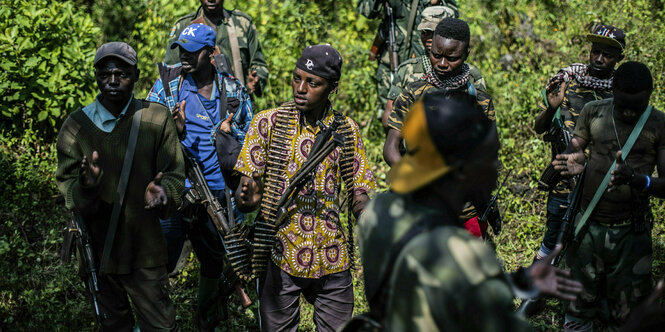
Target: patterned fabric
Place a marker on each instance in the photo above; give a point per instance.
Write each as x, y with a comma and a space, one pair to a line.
413, 92
413, 69
242, 117
452, 83
595, 126
248, 42
579, 72
440, 279
311, 244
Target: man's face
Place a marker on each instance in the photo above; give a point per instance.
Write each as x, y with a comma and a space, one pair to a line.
481, 169
628, 107
212, 6
602, 59
194, 62
426, 39
310, 92
447, 56
115, 79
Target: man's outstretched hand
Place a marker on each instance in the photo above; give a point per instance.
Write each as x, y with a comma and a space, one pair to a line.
553, 281
155, 195
569, 164
90, 170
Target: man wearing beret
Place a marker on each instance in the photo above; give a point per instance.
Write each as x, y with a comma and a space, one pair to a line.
92, 144
309, 253
202, 99
565, 95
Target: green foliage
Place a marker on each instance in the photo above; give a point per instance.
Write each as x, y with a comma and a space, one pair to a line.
46, 51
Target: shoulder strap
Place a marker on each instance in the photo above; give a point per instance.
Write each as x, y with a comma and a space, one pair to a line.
412, 19
606, 180
122, 186
235, 50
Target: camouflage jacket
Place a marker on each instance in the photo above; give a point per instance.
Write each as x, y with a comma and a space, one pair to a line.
413, 69
401, 11
248, 42
442, 278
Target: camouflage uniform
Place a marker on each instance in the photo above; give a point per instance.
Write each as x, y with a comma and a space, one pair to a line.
612, 257
442, 279
248, 42
401, 11
413, 69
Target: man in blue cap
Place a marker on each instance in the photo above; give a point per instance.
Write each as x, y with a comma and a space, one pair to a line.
201, 99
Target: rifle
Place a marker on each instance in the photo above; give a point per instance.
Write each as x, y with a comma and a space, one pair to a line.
77, 231
388, 27
559, 137
567, 230
200, 193
491, 214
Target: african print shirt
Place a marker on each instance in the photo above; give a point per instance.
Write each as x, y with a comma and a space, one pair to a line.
596, 127
415, 90
311, 244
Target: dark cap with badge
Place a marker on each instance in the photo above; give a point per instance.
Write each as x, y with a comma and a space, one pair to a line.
118, 50
195, 37
321, 60
608, 35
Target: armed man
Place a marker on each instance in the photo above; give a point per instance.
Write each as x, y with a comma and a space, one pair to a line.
293, 163
397, 39
120, 168
202, 98
422, 271
564, 97
237, 40
449, 72
413, 69
610, 251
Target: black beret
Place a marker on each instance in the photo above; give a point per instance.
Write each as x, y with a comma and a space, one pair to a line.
321, 60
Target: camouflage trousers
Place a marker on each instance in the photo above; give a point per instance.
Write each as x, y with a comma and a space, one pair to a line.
613, 263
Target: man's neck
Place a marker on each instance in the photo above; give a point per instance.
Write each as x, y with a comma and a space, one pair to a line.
114, 108
215, 16
446, 201
203, 80
315, 115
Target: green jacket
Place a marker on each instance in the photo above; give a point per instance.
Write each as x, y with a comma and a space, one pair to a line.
250, 48
442, 280
139, 242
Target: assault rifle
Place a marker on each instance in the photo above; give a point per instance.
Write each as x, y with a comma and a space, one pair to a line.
387, 28
491, 214
77, 231
566, 236
559, 137
200, 193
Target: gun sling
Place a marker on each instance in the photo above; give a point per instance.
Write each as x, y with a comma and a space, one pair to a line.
606, 180
412, 19
122, 186
235, 50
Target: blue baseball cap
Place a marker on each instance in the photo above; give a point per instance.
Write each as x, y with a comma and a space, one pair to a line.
195, 37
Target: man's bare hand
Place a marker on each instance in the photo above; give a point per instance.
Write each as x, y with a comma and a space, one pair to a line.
571, 163
90, 170
555, 97
621, 174
225, 126
251, 190
179, 116
155, 195
553, 281
252, 80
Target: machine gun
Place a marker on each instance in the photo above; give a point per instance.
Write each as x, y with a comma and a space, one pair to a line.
77, 231
386, 35
491, 214
559, 137
567, 230
200, 193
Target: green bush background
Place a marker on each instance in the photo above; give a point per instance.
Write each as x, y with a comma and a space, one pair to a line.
46, 51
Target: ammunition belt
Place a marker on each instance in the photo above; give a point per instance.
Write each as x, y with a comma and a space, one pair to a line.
346, 170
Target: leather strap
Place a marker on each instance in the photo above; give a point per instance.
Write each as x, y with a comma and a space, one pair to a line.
122, 186
235, 50
606, 180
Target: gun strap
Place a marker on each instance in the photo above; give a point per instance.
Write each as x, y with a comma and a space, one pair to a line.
235, 49
122, 186
412, 19
606, 180
547, 104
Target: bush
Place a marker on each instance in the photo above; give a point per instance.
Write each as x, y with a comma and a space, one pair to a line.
46, 52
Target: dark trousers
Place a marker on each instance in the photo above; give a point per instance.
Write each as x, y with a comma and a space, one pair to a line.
555, 213
147, 287
279, 300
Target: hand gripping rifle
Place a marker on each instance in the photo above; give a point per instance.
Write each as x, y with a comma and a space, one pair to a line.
559, 137
566, 236
200, 193
491, 214
77, 231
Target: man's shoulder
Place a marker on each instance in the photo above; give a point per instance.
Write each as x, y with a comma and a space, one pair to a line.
598, 105
153, 112
405, 65
184, 21
243, 20
241, 15
418, 87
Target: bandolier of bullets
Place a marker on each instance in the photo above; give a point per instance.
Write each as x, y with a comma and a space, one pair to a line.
346, 170
239, 250
276, 163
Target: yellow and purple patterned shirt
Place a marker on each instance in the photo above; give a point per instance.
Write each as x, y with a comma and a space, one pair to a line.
311, 244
